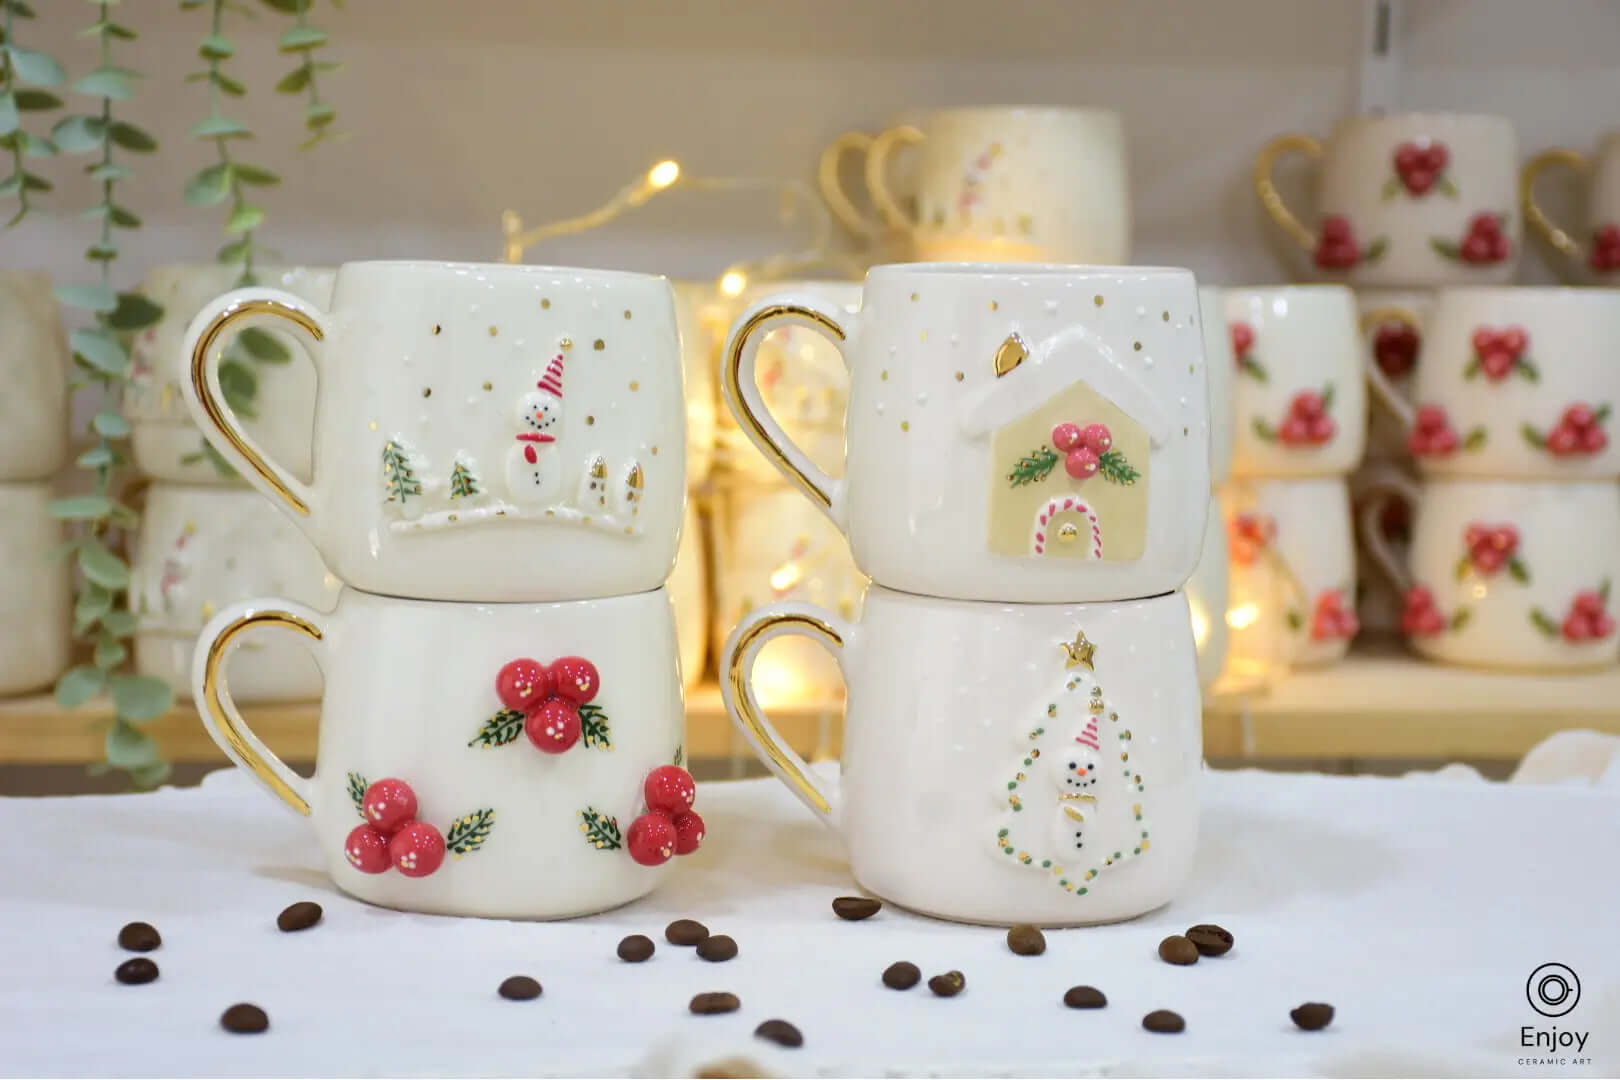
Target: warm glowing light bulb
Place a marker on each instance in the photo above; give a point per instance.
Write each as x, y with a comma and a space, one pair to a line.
733, 282
1242, 616
663, 174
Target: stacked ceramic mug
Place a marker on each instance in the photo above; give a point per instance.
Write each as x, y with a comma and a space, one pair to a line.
498, 477
1027, 462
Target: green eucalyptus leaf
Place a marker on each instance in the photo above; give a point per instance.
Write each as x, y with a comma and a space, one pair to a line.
318, 114
220, 127
100, 350
61, 551
116, 30
122, 217
110, 652
129, 748
210, 187
150, 777
17, 8
134, 312
301, 38
252, 174
240, 385
294, 81
101, 566
78, 134
35, 182
37, 100
234, 253
35, 146
11, 185
109, 170
119, 623
228, 84
78, 685
216, 47
92, 604
139, 698
10, 120
81, 507
97, 298
35, 67
287, 7
132, 138
245, 218
111, 83
263, 346
124, 516
97, 457
109, 425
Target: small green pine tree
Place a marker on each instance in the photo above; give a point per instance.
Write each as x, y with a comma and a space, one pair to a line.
463, 483
399, 478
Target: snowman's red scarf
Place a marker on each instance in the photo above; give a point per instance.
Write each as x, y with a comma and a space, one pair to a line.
534, 436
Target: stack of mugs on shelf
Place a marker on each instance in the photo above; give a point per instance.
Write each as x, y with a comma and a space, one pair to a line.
498, 478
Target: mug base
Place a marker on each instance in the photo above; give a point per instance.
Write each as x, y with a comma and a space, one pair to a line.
513, 914
926, 911
1509, 667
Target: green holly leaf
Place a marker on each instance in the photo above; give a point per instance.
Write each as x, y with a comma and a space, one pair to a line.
1375, 250
131, 138
1264, 431
1391, 188
134, 312
1447, 188
78, 685
1327, 397
1036, 465
1475, 439
140, 698
1543, 622
1472, 370
1603, 591
35, 67
1460, 617
468, 833
1533, 437
594, 728
1464, 564
1116, 469
1518, 571
1445, 248
601, 831
1600, 415
1294, 619
101, 566
1528, 371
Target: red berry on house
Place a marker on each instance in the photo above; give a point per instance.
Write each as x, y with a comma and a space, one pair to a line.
1337, 249
1307, 403
689, 832
1443, 443
1322, 430
554, 727
523, 684
388, 804
651, 839
1242, 337
1418, 598
1395, 347
417, 850
669, 789
1606, 248
1487, 559
1579, 416
1563, 440
1590, 602
366, 849
1081, 463
1097, 438
1594, 440
1295, 431
577, 679
1066, 437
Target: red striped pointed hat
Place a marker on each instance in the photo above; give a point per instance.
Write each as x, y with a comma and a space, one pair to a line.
551, 381
1088, 737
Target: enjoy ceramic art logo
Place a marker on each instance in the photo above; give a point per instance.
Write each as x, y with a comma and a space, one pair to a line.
1553, 990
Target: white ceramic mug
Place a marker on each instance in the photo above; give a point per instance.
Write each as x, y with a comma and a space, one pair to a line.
200, 548
1516, 383
702, 319
1004, 424
525, 734
1392, 329
1002, 763
35, 591
1220, 363
1021, 184
34, 364
1505, 574
1208, 592
482, 432
689, 594
1407, 199
165, 443
1298, 396
1600, 250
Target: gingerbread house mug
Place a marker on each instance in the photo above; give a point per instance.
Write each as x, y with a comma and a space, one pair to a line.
502, 760
1597, 244
34, 360
482, 432
36, 591
1406, 199
1052, 778
1031, 433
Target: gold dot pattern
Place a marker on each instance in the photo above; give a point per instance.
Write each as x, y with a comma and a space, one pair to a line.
905, 425
427, 391
437, 329
635, 385
598, 344
994, 306
1137, 345
1165, 316
627, 313
654, 451
489, 386
915, 297
1098, 300
494, 330
960, 376
544, 304
884, 375
589, 420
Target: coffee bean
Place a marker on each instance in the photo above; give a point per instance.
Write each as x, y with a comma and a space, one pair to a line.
856, 908
136, 970
519, 988
1210, 939
636, 948
1312, 1016
715, 1002
1176, 949
949, 984
244, 1019
685, 932
1084, 997
1026, 940
299, 916
139, 937
901, 975
717, 949
780, 1032
1164, 1021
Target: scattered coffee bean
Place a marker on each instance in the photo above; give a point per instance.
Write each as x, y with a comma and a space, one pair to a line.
949, 984
1211, 940
780, 1032
244, 1019
717, 948
519, 988
1312, 1016
136, 970
636, 948
715, 1002
856, 908
901, 975
685, 932
1084, 997
1176, 949
1164, 1021
139, 937
1026, 940
299, 916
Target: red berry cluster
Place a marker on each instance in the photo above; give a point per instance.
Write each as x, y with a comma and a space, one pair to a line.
1485, 242
1419, 165
1083, 447
1490, 547
1395, 348
1332, 619
1499, 351
1606, 248
1587, 619
1308, 423
670, 826
1433, 435
549, 698
1249, 535
1337, 248
1579, 431
1419, 616
392, 836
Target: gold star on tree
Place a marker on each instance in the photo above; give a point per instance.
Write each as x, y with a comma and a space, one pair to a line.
1080, 652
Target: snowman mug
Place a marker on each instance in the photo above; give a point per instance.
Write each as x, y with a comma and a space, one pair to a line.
482, 432
499, 760
1025, 433
1052, 778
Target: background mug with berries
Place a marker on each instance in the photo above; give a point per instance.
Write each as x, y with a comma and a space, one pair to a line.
1591, 247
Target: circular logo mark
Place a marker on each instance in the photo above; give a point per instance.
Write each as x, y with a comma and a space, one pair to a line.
1553, 989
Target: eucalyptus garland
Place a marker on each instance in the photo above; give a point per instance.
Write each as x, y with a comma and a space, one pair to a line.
23, 75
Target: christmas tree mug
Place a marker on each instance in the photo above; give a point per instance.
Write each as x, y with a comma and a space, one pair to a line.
1002, 763
1597, 245
499, 760
482, 432
1025, 433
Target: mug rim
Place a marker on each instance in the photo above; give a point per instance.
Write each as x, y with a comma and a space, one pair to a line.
518, 270
1318, 289
990, 270
1427, 116
1069, 111
1510, 293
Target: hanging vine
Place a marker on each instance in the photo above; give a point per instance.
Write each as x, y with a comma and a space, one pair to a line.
305, 40
23, 75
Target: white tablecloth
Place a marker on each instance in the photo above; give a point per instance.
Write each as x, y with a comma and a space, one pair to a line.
1417, 907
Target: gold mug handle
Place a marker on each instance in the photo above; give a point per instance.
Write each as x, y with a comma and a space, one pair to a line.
1383, 389
1270, 198
205, 397
211, 691
1534, 215
832, 189
736, 690
877, 171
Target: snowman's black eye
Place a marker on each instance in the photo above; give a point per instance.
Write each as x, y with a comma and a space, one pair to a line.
1071, 764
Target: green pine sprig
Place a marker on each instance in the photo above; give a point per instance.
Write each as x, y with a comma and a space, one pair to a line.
399, 476
463, 481
357, 793
504, 727
24, 74
601, 831
468, 833
1036, 465
1116, 470
594, 729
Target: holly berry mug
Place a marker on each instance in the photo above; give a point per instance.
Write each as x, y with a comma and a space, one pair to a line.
34, 356
1517, 383
1030, 433
501, 760
1002, 763
1597, 245
1504, 574
1299, 404
482, 432
1406, 199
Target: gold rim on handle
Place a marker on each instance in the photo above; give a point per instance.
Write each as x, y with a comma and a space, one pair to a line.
746, 712
832, 190
1270, 197
877, 165
217, 700
218, 415
1534, 215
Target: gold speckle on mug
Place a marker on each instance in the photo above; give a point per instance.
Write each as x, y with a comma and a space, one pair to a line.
905, 425
925, 337
629, 530
545, 304
373, 425
884, 375
589, 420
437, 329
654, 451
494, 330
1191, 368
565, 344
1165, 316
1025, 224
454, 518
915, 297
1137, 345
1186, 431
598, 344
635, 385
960, 376
427, 391
995, 306
489, 386
1098, 300
627, 313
